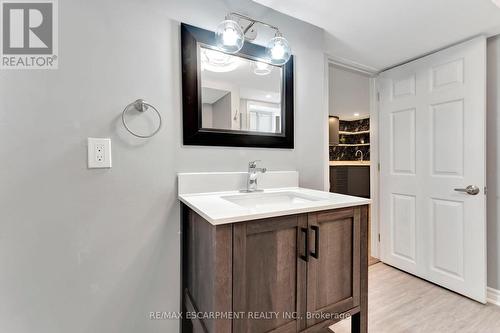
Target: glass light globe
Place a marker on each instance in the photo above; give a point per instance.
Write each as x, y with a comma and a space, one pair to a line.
278, 51
261, 68
229, 37
219, 62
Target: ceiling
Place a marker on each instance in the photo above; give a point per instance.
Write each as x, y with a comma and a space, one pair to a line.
349, 94
380, 34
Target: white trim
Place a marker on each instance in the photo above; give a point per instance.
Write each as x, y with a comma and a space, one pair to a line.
374, 149
352, 65
493, 296
326, 138
374, 170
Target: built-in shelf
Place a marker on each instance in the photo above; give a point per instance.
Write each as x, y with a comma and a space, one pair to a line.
349, 163
352, 144
353, 133
353, 136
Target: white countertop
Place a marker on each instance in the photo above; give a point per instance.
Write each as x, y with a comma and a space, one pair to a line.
216, 209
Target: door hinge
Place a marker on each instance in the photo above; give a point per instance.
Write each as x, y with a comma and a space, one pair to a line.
378, 166
379, 238
378, 96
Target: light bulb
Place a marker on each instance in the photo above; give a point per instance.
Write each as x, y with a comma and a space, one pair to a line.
229, 37
278, 50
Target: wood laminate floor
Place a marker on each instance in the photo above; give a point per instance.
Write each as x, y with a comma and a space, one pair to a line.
399, 302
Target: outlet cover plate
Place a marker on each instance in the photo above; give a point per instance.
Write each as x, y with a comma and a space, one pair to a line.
98, 153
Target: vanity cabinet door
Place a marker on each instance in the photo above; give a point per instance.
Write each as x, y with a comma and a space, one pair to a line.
333, 277
269, 274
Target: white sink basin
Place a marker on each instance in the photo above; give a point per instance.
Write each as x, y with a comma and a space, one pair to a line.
263, 200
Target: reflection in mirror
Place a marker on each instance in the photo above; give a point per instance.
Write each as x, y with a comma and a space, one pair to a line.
239, 94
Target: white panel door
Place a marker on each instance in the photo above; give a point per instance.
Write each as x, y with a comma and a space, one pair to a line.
432, 141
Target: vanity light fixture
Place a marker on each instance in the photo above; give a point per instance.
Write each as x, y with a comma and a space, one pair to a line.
230, 37
356, 115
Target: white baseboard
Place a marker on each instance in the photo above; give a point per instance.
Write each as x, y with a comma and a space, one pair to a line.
493, 296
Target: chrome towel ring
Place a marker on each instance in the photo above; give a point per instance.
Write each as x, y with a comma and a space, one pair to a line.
141, 106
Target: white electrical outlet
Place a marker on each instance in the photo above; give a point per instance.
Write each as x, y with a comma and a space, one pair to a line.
99, 153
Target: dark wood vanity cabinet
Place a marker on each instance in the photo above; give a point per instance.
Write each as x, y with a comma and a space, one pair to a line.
268, 275
296, 273
333, 273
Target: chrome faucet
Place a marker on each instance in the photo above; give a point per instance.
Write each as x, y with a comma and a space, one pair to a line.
253, 172
356, 154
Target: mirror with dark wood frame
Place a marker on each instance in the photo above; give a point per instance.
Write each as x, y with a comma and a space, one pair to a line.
237, 100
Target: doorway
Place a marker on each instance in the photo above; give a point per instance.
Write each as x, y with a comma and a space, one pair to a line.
352, 140
429, 115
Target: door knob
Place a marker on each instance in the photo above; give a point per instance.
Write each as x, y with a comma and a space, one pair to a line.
471, 189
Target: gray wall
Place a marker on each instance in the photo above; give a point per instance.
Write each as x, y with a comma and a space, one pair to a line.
207, 115
221, 112
97, 250
493, 162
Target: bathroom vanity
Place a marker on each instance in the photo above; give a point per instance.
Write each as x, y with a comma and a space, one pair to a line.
285, 259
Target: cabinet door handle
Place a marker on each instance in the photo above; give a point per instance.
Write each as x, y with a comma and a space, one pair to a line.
305, 256
315, 254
